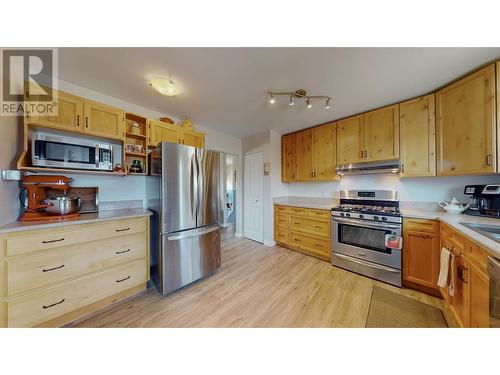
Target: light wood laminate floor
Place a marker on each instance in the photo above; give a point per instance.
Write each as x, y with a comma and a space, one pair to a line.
257, 286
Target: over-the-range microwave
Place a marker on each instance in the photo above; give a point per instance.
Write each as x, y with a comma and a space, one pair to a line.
58, 150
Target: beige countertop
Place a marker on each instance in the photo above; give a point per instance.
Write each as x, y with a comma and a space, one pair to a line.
124, 213
316, 203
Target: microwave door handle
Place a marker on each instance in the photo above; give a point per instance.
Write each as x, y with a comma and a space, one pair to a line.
365, 224
97, 156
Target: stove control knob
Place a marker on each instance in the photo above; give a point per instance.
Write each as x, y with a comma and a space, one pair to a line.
361, 216
384, 219
375, 218
348, 215
341, 214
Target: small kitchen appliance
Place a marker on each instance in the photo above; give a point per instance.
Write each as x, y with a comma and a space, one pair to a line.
484, 200
39, 207
366, 234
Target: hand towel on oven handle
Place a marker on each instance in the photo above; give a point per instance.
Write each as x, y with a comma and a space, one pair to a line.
393, 242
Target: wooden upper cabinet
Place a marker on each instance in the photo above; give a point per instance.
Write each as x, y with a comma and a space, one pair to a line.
69, 117
350, 143
192, 138
417, 137
304, 153
103, 121
162, 132
324, 146
466, 125
421, 258
288, 158
381, 134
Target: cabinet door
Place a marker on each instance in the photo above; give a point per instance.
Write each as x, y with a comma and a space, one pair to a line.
162, 132
103, 121
304, 153
69, 117
417, 133
479, 297
465, 125
381, 134
350, 140
459, 302
324, 146
421, 258
288, 162
192, 138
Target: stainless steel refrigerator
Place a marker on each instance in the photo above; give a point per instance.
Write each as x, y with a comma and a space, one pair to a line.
183, 193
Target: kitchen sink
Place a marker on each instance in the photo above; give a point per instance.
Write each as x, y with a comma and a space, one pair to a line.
490, 231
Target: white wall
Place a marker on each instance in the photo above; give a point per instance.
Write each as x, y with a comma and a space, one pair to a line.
424, 189
110, 187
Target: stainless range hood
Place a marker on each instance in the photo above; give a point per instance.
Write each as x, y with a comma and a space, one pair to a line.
386, 166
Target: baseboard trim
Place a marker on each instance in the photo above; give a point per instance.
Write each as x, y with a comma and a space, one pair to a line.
269, 243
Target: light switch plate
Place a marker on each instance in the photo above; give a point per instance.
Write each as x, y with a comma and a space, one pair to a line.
11, 175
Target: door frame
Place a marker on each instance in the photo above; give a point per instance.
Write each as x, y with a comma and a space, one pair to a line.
245, 198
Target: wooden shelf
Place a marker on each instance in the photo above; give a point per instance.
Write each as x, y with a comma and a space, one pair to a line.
72, 171
135, 154
132, 135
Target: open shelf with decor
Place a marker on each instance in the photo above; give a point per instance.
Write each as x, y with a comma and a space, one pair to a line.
136, 144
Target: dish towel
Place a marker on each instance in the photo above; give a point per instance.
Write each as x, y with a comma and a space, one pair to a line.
444, 267
451, 285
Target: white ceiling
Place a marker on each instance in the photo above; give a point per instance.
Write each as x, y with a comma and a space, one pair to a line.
225, 88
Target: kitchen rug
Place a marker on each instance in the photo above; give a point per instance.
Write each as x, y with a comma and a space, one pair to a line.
392, 310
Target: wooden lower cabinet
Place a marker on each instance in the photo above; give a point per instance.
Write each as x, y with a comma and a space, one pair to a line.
479, 287
303, 229
56, 275
420, 256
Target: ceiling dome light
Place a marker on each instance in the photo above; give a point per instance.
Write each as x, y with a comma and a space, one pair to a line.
327, 104
291, 100
164, 86
271, 99
308, 104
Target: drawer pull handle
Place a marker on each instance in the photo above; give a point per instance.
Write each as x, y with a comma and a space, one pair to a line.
122, 230
319, 245
318, 226
52, 269
297, 240
50, 241
126, 278
121, 252
54, 304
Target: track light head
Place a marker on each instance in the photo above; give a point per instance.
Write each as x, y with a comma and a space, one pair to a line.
327, 104
308, 103
291, 102
271, 99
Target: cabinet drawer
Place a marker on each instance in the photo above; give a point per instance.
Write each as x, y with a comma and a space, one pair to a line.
421, 225
27, 242
319, 228
308, 243
38, 307
478, 255
319, 214
53, 266
298, 211
282, 221
282, 236
281, 209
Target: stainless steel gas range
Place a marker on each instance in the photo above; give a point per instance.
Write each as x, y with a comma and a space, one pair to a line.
365, 228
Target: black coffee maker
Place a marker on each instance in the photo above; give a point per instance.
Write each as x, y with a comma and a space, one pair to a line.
484, 200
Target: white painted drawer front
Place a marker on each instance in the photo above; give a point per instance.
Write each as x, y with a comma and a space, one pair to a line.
35, 308
60, 264
75, 234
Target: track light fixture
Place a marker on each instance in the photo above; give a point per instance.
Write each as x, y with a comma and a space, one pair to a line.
299, 94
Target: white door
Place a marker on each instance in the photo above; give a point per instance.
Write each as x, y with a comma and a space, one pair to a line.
254, 170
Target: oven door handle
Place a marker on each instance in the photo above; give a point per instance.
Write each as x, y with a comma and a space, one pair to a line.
365, 224
368, 264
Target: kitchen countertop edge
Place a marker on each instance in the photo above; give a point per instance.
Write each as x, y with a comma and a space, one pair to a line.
86, 218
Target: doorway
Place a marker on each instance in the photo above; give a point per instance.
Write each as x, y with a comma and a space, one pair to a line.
253, 212
229, 164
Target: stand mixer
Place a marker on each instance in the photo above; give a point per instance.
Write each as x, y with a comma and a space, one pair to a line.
39, 207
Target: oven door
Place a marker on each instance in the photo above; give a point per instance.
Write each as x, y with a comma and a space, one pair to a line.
366, 240
48, 153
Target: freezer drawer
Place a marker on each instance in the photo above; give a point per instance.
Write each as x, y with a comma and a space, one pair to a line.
188, 256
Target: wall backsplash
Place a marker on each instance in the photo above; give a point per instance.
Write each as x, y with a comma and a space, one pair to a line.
425, 189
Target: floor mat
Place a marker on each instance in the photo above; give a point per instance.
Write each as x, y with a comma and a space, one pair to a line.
392, 310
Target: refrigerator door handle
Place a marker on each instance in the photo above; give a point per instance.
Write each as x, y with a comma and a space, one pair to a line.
195, 234
192, 184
